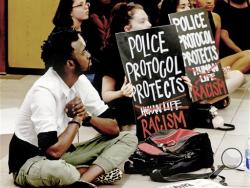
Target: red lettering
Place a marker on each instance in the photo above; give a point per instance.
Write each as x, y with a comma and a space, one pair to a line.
209, 90
170, 121
164, 122
144, 124
179, 118
216, 90
158, 120
173, 120
152, 124
222, 86
196, 93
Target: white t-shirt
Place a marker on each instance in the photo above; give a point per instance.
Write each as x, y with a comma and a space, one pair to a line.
43, 107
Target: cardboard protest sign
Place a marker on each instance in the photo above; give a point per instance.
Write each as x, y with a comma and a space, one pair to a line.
200, 56
152, 60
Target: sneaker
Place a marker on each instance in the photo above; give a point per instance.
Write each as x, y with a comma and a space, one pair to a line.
110, 177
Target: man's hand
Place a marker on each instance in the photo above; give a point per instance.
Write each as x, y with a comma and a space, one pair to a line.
76, 109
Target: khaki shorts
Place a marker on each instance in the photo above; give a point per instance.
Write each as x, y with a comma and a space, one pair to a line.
39, 171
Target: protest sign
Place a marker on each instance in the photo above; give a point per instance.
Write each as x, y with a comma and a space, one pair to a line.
200, 56
152, 60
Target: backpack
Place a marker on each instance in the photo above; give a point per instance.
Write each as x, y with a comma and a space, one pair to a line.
165, 155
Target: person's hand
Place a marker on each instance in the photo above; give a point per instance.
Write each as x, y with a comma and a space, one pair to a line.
127, 89
226, 69
75, 108
188, 82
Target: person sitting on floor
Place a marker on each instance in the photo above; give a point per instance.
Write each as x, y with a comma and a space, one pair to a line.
234, 78
238, 60
57, 105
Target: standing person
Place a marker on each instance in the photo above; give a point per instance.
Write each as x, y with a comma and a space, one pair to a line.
116, 91
235, 14
41, 151
234, 78
237, 61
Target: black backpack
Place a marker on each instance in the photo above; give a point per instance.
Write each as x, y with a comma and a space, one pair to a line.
166, 155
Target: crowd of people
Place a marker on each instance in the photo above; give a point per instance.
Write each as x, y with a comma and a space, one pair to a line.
83, 41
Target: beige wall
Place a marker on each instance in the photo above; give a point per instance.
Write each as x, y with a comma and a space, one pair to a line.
29, 23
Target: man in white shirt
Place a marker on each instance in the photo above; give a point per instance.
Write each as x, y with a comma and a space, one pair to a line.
41, 151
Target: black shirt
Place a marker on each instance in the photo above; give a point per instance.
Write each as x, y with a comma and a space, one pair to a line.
123, 107
236, 22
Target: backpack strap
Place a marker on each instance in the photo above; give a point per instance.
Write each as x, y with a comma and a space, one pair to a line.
158, 177
226, 127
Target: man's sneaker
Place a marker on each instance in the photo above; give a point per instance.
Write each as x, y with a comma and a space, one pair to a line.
110, 177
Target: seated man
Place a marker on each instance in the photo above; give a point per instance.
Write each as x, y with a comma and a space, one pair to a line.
41, 151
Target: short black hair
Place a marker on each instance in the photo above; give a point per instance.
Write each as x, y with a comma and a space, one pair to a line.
57, 49
63, 17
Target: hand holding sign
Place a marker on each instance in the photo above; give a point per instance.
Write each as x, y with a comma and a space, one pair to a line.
199, 54
127, 88
153, 63
188, 82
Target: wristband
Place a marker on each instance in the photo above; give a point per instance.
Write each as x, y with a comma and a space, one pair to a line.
86, 120
76, 122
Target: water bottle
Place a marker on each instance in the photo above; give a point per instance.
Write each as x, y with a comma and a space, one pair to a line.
247, 156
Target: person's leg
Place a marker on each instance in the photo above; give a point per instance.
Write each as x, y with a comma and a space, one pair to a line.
39, 171
229, 60
117, 151
238, 61
242, 64
234, 79
102, 153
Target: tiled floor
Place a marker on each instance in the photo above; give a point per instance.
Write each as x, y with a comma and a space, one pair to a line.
13, 90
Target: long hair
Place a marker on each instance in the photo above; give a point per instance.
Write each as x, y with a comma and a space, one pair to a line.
62, 17
120, 17
57, 49
167, 7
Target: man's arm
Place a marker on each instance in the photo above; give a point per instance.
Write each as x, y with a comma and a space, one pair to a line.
105, 124
64, 141
66, 138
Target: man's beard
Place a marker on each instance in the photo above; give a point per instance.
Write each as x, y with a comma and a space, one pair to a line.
238, 1
79, 72
78, 69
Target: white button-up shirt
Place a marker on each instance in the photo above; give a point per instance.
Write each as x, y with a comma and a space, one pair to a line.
43, 107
